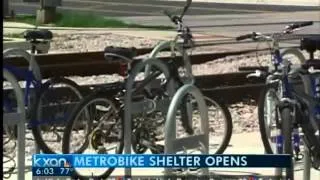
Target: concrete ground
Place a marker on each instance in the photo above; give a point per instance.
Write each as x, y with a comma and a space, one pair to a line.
245, 143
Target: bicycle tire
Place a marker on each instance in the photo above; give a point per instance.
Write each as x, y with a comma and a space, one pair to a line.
228, 124
286, 128
227, 120
36, 130
73, 117
294, 52
261, 120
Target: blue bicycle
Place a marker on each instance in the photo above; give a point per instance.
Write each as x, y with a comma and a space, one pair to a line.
292, 101
47, 104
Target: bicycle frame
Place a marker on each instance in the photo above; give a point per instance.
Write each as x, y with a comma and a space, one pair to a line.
30, 80
295, 100
280, 75
287, 97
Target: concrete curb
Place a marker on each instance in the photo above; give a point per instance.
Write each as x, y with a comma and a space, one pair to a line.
15, 43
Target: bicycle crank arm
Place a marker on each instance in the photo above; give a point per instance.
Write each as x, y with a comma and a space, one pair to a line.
155, 148
256, 74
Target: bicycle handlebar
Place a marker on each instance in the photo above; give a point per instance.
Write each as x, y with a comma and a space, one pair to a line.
298, 25
175, 19
289, 29
186, 7
246, 36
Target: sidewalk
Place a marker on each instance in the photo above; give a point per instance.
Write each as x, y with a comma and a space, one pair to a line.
245, 143
263, 2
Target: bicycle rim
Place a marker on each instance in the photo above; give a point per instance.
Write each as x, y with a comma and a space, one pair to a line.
267, 119
51, 113
293, 55
220, 125
94, 115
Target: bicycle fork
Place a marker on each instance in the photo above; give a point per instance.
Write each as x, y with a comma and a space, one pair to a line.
296, 139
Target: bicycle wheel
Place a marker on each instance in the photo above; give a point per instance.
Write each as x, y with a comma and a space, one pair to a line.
220, 124
219, 114
286, 131
94, 127
267, 118
293, 55
51, 111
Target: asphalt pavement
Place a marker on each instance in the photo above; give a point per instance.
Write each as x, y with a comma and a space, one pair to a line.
155, 7
236, 24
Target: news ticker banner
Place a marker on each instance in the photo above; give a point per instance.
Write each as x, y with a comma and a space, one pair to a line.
64, 164
185, 177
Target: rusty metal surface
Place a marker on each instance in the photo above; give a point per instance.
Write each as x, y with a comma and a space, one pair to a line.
229, 88
93, 63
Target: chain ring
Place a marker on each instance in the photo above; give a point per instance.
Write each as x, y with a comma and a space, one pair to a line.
96, 139
138, 133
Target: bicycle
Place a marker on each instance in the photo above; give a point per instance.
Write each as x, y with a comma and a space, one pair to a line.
41, 114
301, 109
293, 88
149, 90
271, 94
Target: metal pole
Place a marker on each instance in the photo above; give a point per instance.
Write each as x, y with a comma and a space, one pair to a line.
307, 162
6, 8
20, 121
41, 4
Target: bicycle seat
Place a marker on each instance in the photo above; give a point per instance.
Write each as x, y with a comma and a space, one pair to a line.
315, 63
38, 34
310, 44
114, 53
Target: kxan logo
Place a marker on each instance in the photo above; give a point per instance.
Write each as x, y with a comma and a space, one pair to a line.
50, 162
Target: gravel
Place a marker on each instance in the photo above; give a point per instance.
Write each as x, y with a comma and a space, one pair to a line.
96, 42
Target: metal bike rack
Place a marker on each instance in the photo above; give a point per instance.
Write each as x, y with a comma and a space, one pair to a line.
33, 66
129, 110
306, 164
172, 144
18, 119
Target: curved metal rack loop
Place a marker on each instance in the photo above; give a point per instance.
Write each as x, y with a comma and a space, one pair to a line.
172, 144
18, 119
33, 65
128, 100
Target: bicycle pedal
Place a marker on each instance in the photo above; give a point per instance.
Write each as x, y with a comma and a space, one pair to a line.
158, 149
190, 131
102, 150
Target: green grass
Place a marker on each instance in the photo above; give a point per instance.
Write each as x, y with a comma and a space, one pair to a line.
29, 19
76, 19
